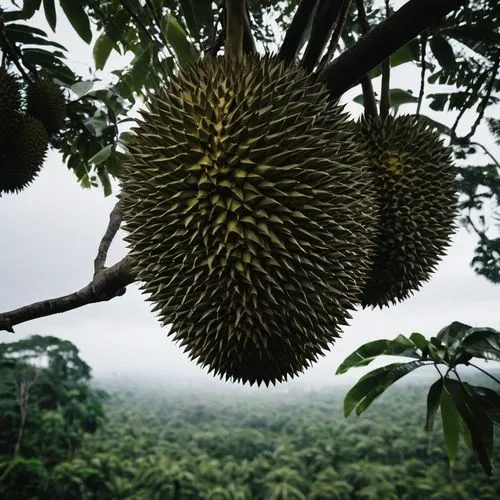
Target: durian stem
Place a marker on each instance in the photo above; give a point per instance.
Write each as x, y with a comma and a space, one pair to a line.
369, 101
337, 33
385, 91
235, 27
295, 35
423, 49
326, 17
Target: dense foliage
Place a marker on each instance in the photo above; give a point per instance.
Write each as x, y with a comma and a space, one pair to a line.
235, 444
467, 410
47, 407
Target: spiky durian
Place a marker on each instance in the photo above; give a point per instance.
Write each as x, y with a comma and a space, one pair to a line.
45, 101
417, 188
250, 216
23, 155
10, 103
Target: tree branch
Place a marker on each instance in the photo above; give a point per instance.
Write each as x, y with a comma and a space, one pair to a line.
484, 103
383, 40
337, 34
113, 226
369, 101
235, 27
325, 19
295, 32
107, 284
423, 48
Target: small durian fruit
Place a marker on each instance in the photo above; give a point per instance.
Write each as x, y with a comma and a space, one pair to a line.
23, 156
10, 103
46, 102
250, 215
417, 185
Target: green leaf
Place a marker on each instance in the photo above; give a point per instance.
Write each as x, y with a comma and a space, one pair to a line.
21, 33
441, 128
450, 419
139, 71
398, 97
405, 54
82, 88
488, 399
102, 48
478, 422
465, 433
102, 155
373, 384
50, 13
30, 7
442, 51
438, 100
364, 355
419, 340
176, 36
482, 343
103, 175
474, 33
78, 18
197, 14
433, 400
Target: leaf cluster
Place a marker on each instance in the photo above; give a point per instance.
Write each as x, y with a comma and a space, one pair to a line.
468, 411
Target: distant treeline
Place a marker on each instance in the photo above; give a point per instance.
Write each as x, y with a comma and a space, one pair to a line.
156, 442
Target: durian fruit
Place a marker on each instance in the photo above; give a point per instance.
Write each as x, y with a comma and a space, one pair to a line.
417, 188
23, 155
10, 103
45, 101
250, 215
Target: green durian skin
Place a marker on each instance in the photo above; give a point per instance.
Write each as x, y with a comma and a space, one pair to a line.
10, 103
418, 195
23, 155
46, 102
250, 215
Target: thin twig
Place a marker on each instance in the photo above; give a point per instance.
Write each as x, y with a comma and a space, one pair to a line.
325, 19
423, 49
495, 161
106, 284
337, 33
369, 101
362, 17
484, 102
295, 33
113, 226
385, 90
385, 85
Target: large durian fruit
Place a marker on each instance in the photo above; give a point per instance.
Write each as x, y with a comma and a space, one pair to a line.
46, 102
250, 216
10, 103
417, 190
22, 156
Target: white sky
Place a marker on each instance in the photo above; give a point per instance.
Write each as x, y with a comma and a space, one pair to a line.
50, 237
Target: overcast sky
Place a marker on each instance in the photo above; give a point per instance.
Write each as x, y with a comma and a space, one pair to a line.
50, 237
